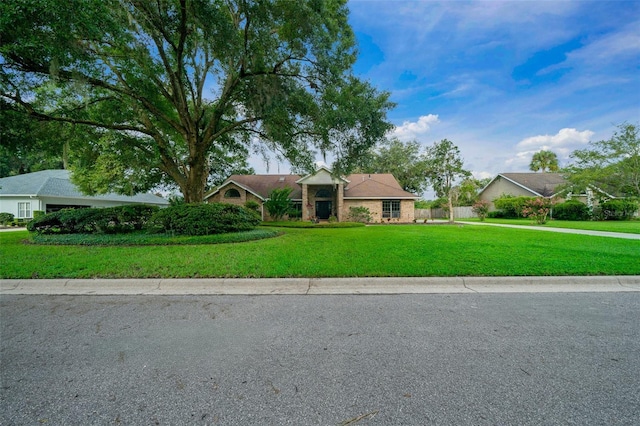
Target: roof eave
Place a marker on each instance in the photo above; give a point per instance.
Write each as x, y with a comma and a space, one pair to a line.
521, 186
246, 188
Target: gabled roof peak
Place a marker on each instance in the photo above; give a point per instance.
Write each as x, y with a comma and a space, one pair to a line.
322, 175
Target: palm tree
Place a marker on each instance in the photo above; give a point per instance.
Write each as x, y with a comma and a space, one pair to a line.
544, 161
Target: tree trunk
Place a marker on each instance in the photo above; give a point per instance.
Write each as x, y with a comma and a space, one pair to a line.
451, 219
195, 181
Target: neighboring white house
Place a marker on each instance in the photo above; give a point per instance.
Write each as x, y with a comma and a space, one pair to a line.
52, 190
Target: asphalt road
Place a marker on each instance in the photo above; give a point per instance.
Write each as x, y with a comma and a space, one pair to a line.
328, 360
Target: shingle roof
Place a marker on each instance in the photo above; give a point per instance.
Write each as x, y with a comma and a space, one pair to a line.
262, 185
359, 186
57, 184
375, 186
544, 184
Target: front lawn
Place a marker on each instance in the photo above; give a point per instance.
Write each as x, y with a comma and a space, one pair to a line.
410, 250
626, 226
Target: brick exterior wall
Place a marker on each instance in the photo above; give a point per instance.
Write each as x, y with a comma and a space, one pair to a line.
244, 197
375, 208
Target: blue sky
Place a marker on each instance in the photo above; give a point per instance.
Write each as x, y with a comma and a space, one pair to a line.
502, 80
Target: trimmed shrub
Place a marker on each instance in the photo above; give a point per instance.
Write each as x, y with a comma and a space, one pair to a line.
538, 209
253, 206
481, 209
616, 210
6, 218
110, 220
571, 210
203, 219
512, 206
496, 214
360, 214
294, 214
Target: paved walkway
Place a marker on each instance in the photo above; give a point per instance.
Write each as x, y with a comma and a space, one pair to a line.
560, 230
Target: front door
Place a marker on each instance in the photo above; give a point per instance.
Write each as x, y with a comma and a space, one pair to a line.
323, 209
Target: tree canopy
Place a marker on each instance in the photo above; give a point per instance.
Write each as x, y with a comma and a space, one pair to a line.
613, 165
544, 161
171, 87
27, 145
403, 160
444, 168
466, 193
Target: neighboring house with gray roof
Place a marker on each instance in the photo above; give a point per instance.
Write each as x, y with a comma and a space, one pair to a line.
548, 185
52, 190
322, 194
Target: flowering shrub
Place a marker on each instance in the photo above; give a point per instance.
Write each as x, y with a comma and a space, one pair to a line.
481, 208
538, 209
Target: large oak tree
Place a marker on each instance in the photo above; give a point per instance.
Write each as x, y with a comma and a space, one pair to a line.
171, 86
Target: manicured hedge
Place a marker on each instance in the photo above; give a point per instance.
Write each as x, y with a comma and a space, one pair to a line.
110, 220
616, 210
571, 210
6, 218
203, 219
512, 206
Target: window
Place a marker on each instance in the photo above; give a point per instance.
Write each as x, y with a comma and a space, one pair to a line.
24, 210
323, 193
232, 193
296, 210
391, 209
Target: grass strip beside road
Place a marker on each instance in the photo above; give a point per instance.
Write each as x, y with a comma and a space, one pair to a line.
382, 251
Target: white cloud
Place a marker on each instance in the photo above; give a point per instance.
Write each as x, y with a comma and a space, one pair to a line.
616, 47
565, 138
413, 129
562, 144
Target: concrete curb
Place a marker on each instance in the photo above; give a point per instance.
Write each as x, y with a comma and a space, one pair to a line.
320, 286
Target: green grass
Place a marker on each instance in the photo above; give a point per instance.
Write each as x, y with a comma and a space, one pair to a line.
144, 239
311, 225
412, 250
625, 226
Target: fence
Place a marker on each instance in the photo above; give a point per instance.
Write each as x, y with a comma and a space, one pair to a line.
458, 213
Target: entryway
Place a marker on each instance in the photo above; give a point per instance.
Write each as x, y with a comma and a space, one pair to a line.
323, 209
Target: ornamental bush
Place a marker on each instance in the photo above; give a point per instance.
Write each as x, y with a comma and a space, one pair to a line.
110, 220
6, 218
203, 219
496, 214
616, 210
512, 206
571, 210
279, 204
537, 209
360, 214
253, 206
481, 209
